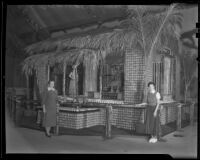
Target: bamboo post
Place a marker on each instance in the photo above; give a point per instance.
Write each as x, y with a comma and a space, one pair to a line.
192, 114
27, 86
64, 76
167, 116
76, 83
35, 89
48, 72
108, 121
13, 109
10, 104
178, 121
18, 112
100, 81
57, 120
28, 96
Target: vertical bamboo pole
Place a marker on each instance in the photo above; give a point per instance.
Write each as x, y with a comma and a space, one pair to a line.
34, 88
28, 97
192, 113
100, 81
27, 86
108, 121
64, 76
76, 83
48, 72
57, 121
178, 121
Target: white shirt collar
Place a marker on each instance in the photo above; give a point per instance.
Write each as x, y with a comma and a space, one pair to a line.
50, 89
153, 91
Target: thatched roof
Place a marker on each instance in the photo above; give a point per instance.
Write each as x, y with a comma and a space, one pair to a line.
79, 47
107, 40
68, 57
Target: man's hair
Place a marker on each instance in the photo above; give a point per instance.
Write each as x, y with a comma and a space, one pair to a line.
152, 84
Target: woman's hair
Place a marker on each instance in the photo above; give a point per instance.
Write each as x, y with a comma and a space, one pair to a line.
50, 82
152, 84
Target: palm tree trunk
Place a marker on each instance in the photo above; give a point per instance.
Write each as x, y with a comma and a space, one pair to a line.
149, 56
144, 50
160, 29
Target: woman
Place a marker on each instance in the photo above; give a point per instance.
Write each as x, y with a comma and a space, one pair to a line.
49, 103
152, 119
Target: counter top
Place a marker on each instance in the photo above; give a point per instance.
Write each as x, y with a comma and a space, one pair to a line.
103, 105
78, 110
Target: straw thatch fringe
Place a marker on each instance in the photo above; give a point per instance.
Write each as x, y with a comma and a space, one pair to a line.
86, 49
116, 40
40, 62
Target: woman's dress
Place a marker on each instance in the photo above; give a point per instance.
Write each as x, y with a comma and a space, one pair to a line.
50, 98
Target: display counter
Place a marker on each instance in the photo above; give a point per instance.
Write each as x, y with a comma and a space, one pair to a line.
126, 116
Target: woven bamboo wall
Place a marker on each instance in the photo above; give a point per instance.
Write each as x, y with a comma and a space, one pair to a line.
78, 120
122, 117
134, 72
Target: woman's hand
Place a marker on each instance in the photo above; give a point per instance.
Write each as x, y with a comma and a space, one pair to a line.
155, 113
44, 109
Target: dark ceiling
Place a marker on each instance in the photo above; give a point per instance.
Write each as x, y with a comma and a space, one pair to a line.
28, 24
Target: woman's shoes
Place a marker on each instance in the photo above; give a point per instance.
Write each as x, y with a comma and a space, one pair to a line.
153, 140
48, 135
150, 140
